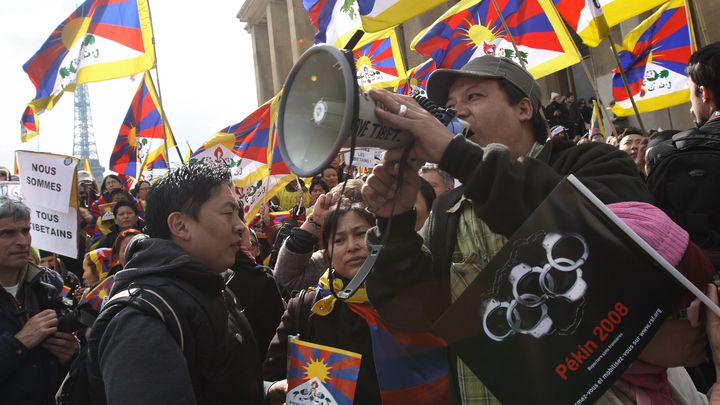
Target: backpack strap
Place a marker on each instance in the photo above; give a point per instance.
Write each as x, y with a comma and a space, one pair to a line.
306, 299
151, 303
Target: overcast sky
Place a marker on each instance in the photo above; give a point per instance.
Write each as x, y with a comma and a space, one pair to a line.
205, 63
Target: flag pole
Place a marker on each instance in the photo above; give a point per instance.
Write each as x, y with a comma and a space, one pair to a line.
142, 167
159, 94
593, 82
625, 82
507, 29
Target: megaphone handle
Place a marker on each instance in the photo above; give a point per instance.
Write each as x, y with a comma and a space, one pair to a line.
375, 250
359, 278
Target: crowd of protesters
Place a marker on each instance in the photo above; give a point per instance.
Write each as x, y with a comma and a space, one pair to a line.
177, 297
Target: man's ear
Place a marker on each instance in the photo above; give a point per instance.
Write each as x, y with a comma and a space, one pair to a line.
708, 96
525, 109
178, 225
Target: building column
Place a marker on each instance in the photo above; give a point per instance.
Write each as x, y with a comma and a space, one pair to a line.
302, 32
263, 56
278, 38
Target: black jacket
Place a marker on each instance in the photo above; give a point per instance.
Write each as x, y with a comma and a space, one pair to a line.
414, 291
140, 361
259, 297
411, 287
28, 376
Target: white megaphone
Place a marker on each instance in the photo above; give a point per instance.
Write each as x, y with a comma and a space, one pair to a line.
321, 107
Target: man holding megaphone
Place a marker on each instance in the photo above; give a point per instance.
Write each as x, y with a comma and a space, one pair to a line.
506, 169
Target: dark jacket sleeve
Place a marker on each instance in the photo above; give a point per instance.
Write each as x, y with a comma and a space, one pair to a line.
275, 366
141, 363
402, 286
12, 355
297, 266
505, 192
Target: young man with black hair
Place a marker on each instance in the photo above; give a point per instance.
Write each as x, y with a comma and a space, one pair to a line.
506, 169
195, 233
685, 169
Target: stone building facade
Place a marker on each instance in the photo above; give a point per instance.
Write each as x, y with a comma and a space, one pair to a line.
281, 31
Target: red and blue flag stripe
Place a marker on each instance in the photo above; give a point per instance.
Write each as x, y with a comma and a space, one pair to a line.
408, 365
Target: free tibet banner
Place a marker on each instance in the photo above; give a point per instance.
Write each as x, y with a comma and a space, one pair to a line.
563, 309
48, 187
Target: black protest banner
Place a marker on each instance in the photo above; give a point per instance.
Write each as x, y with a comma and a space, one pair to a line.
562, 310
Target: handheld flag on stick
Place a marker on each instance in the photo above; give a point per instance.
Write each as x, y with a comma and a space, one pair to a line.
378, 60
100, 40
654, 56
278, 173
473, 28
596, 121
321, 374
242, 147
29, 124
416, 80
586, 18
378, 15
142, 133
97, 295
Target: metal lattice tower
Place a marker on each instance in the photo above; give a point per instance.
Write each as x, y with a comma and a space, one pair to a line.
84, 136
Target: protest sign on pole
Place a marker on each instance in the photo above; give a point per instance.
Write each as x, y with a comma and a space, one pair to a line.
47, 179
563, 308
48, 187
365, 157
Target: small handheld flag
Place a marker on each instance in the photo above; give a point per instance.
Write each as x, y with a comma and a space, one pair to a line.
320, 374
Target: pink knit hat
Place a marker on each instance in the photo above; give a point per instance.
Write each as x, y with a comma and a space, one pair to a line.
655, 227
670, 241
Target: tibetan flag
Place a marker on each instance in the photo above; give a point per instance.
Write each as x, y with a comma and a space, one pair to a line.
29, 124
335, 20
65, 291
378, 60
596, 121
155, 165
277, 217
100, 40
586, 18
278, 173
242, 147
408, 365
473, 28
654, 56
142, 133
378, 15
617, 11
416, 80
321, 374
96, 296
99, 259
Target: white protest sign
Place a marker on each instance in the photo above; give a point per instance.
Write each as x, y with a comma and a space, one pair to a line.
54, 231
10, 189
46, 179
366, 157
